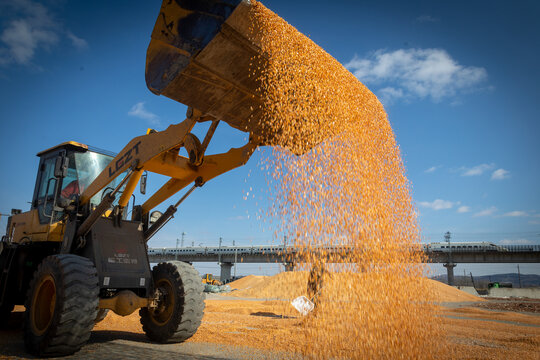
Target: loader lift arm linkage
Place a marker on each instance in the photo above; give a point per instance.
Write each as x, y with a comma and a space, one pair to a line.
158, 152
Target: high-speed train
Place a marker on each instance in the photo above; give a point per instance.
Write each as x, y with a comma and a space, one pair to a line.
463, 246
280, 249
239, 250
211, 250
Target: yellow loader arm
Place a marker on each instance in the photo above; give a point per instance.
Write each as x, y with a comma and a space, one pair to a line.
157, 152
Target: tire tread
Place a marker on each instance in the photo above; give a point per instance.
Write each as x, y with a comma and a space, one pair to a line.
76, 308
190, 312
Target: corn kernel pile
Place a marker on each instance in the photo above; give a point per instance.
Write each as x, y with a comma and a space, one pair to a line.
349, 190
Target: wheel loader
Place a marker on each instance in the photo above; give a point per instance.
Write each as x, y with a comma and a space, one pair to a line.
76, 254
209, 279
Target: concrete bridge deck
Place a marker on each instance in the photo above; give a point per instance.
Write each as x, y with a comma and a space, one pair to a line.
226, 256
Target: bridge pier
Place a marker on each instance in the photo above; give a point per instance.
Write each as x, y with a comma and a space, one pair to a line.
289, 266
450, 272
225, 272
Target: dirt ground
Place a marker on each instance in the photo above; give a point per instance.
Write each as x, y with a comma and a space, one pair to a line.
472, 332
241, 327
512, 304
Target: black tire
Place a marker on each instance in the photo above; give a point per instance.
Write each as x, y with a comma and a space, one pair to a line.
7, 304
180, 309
101, 315
5, 313
61, 305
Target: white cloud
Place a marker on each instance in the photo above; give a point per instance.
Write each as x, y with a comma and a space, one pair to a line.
463, 209
426, 19
22, 39
389, 94
78, 42
431, 169
476, 170
516, 214
515, 242
486, 212
416, 73
138, 110
437, 204
31, 28
500, 174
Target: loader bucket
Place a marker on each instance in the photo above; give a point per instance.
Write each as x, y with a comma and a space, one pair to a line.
200, 55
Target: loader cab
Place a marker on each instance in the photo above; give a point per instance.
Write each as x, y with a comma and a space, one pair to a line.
64, 172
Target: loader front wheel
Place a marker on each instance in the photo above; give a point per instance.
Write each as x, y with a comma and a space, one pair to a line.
5, 312
61, 305
180, 303
101, 315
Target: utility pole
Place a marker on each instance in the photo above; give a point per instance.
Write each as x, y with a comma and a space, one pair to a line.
235, 257
219, 252
519, 276
176, 252
235, 260
472, 280
284, 253
450, 264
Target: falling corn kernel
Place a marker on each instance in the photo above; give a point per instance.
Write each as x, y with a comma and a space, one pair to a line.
347, 192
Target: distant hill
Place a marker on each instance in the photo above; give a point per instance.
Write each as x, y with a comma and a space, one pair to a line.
527, 280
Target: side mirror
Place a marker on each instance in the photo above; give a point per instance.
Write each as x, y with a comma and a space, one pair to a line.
143, 180
154, 216
61, 166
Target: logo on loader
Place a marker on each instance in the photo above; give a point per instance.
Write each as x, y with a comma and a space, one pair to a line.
127, 157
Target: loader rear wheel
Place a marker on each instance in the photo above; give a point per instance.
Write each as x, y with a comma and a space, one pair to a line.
61, 305
180, 303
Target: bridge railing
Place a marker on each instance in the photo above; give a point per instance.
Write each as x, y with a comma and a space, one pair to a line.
521, 248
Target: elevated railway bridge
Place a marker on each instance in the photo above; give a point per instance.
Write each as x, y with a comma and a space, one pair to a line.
447, 254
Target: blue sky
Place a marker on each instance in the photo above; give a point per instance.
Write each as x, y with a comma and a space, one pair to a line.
459, 81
